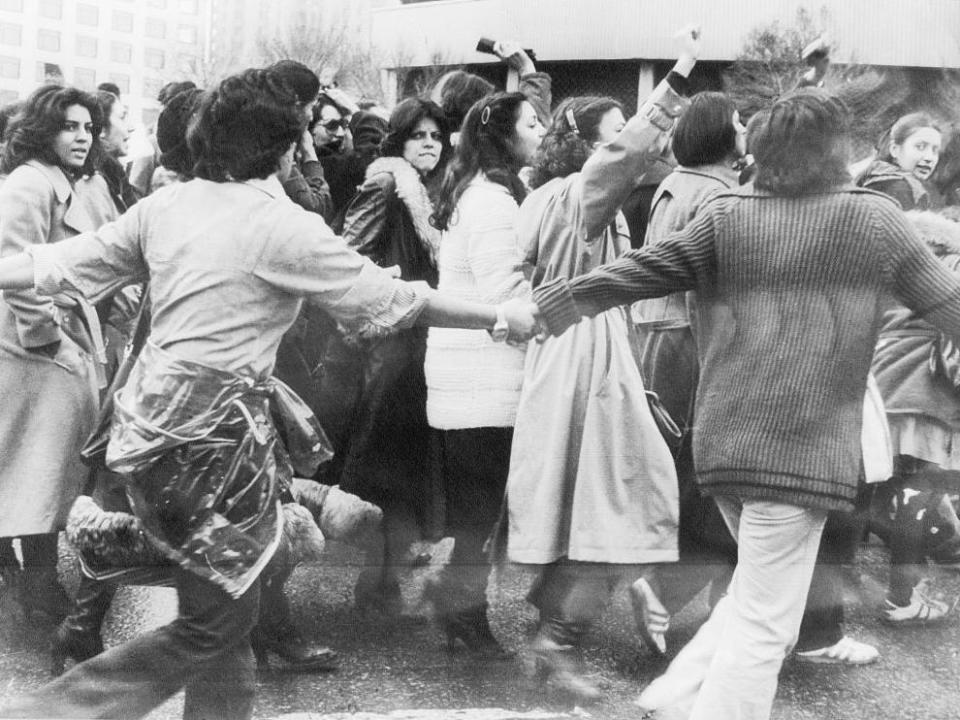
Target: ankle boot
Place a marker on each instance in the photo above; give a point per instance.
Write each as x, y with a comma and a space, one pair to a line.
468, 626
42, 597
554, 651
285, 641
78, 636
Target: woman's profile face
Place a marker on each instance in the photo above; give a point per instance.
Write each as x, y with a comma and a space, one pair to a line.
528, 133
422, 148
919, 152
72, 144
116, 136
610, 125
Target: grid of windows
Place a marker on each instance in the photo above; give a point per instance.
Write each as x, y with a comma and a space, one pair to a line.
85, 78
51, 9
151, 87
155, 28
11, 5
187, 34
153, 58
88, 14
122, 21
121, 52
11, 34
48, 40
86, 46
9, 67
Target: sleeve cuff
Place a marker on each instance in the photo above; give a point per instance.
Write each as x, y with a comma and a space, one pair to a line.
558, 309
663, 106
47, 278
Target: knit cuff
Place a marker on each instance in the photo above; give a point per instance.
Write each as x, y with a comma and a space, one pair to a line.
558, 309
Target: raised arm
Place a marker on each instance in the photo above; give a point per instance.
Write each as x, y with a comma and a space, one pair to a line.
614, 169
684, 261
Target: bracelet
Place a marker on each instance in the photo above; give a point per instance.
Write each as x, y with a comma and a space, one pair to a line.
501, 329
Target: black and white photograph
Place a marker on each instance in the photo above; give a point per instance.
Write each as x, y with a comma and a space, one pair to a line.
479, 359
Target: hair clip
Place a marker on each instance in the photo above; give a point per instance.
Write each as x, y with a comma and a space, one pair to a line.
485, 115
572, 121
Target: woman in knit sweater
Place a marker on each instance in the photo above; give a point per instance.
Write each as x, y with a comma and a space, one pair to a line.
790, 273
473, 378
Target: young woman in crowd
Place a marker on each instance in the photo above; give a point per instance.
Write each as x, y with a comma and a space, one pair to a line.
52, 348
780, 439
387, 457
205, 375
592, 492
923, 412
114, 139
908, 155
473, 381
707, 142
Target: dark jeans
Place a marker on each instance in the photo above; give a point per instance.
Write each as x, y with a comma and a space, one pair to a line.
475, 463
206, 650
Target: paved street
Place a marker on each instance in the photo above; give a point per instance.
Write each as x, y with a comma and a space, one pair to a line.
398, 670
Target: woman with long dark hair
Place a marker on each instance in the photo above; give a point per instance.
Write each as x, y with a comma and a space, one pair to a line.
114, 138
386, 460
52, 348
473, 378
192, 433
585, 444
790, 273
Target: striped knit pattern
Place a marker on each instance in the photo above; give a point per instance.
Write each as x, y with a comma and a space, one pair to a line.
791, 293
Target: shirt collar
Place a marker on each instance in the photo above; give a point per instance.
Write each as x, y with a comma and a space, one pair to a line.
62, 187
269, 185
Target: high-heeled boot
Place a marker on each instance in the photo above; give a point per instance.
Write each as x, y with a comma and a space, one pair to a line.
78, 636
42, 597
467, 627
554, 651
285, 640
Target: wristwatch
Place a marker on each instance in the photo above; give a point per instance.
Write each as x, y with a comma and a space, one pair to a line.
501, 328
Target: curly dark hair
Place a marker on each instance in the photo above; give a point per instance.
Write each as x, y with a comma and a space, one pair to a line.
565, 148
33, 129
404, 120
801, 144
486, 145
301, 79
456, 92
243, 127
705, 134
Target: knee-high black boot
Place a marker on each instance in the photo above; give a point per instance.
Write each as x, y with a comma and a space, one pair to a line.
555, 650
41, 595
78, 636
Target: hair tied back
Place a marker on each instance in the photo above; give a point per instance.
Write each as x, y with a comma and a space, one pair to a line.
572, 121
485, 115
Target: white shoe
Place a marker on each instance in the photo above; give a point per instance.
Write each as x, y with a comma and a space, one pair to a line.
922, 609
845, 652
650, 615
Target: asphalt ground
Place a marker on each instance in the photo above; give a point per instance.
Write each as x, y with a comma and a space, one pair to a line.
399, 668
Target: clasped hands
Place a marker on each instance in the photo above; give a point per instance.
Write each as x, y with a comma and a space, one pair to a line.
523, 317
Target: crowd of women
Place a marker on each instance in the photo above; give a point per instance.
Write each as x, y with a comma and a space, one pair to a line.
706, 409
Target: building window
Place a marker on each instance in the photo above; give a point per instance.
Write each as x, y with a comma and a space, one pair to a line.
153, 58
122, 21
188, 7
11, 5
122, 82
151, 87
121, 52
48, 40
155, 28
85, 78
187, 34
88, 14
9, 67
11, 34
51, 9
86, 46
8, 96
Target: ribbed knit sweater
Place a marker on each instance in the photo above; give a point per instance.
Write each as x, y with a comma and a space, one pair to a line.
791, 295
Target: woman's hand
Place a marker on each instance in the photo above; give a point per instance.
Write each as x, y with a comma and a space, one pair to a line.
306, 152
523, 317
690, 48
515, 56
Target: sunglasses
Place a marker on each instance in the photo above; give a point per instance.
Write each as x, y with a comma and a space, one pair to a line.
333, 125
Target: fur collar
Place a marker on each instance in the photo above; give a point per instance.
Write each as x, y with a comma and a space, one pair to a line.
941, 235
413, 194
